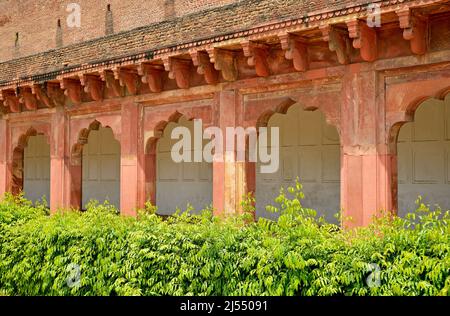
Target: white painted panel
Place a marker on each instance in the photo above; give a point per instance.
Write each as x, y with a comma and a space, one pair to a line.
429, 112
423, 157
331, 160
310, 163
180, 184
37, 169
310, 152
101, 168
428, 162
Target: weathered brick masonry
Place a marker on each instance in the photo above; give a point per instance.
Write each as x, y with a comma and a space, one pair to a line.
229, 63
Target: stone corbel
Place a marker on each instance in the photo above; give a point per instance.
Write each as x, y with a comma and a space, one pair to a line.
338, 42
92, 85
415, 30
28, 99
111, 82
296, 50
180, 70
72, 89
127, 78
257, 55
56, 94
224, 61
11, 101
41, 95
364, 39
153, 76
204, 66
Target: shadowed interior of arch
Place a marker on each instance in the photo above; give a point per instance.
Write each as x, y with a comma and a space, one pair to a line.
100, 166
180, 184
423, 149
36, 169
309, 151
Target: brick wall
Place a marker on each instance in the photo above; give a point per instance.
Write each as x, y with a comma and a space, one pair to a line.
31, 26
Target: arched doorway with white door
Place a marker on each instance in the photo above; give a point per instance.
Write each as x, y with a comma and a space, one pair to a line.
423, 149
100, 167
36, 169
309, 151
179, 184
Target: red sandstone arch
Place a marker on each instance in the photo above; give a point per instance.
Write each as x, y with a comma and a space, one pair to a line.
395, 120
401, 109
18, 149
76, 154
151, 151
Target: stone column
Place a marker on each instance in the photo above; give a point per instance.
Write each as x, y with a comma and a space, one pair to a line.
229, 175
4, 153
58, 160
132, 176
368, 171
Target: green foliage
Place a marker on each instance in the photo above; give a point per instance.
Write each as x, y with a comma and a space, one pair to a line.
187, 254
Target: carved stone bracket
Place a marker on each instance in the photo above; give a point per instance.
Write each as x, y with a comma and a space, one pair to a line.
72, 89
41, 94
180, 70
415, 30
338, 42
111, 82
153, 76
93, 85
257, 55
296, 50
11, 101
225, 61
56, 94
28, 99
127, 78
364, 39
204, 66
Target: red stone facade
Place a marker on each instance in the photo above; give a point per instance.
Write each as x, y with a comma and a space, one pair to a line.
231, 66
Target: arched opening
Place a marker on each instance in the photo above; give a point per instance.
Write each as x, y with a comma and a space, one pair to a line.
100, 165
31, 167
423, 149
309, 151
36, 181
178, 183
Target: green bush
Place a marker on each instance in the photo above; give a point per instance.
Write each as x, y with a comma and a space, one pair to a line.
299, 254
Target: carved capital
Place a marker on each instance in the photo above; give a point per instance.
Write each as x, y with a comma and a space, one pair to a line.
72, 89
364, 39
56, 94
296, 50
153, 76
415, 30
111, 82
11, 101
180, 70
41, 94
257, 55
92, 85
338, 42
225, 61
204, 66
28, 99
127, 78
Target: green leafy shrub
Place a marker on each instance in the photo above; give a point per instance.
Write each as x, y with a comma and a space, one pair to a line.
100, 253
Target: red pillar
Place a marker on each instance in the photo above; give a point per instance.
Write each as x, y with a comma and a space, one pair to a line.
4, 152
57, 160
132, 175
230, 177
368, 167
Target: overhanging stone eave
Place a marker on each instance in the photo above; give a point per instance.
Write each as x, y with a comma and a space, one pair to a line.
307, 22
